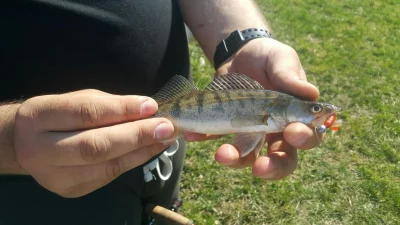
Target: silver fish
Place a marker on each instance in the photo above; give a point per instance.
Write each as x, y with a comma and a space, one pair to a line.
236, 104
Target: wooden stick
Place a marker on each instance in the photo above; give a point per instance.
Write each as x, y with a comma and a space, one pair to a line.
167, 216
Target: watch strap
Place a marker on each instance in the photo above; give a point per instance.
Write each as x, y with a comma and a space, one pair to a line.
227, 47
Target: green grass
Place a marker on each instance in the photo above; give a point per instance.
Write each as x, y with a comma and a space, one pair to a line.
350, 50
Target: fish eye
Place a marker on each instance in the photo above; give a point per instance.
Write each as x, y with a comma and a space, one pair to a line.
316, 108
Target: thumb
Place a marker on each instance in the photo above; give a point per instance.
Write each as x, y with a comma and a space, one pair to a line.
225, 68
285, 72
289, 82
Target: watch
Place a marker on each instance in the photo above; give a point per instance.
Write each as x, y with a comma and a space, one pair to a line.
227, 47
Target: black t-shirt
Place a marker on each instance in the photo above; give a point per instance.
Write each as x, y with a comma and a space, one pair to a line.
57, 46
118, 46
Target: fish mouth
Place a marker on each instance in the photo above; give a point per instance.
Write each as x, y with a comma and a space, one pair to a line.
321, 119
336, 109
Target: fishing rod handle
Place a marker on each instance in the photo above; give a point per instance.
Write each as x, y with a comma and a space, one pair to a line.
167, 216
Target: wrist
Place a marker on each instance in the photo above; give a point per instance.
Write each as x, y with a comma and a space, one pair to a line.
210, 21
235, 41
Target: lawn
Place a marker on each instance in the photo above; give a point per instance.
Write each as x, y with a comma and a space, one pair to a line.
350, 51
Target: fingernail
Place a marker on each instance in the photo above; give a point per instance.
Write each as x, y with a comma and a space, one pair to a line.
297, 139
230, 153
148, 107
163, 131
227, 157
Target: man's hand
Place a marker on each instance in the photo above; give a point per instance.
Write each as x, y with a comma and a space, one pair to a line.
276, 66
75, 143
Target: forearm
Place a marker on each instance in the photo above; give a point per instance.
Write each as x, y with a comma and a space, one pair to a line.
213, 20
8, 162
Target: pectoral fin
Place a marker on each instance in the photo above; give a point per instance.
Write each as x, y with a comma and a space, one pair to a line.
249, 142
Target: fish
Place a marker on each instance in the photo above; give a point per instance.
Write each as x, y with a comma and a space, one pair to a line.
236, 104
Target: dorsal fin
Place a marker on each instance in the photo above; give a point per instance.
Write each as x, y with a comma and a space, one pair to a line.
177, 87
233, 81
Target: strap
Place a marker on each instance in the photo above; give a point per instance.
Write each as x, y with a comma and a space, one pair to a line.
227, 47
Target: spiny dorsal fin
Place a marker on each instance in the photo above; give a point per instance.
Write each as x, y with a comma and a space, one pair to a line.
177, 87
233, 81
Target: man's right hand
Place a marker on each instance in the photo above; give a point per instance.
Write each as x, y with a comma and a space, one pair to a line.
75, 143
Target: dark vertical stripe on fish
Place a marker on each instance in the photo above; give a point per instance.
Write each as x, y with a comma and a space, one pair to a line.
228, 97
217, 97
251, 97
242, 103
218, 108
176, 108
200, 102
240, 93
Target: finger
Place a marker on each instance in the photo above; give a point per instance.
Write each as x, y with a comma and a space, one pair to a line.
301, 136
98, 145
283, 68
192, 137
89, 91
226, 67
228, 155
303, 75
281, 161
82, 111
88, 178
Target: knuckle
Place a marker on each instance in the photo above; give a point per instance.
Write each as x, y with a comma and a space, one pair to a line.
85, 92
89, 113
94, 148
125, 109
56, 188
60, 187
69, 193
27, 109
139, 135
91, 91
114, 168
23, 111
